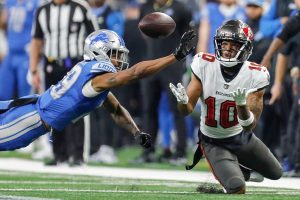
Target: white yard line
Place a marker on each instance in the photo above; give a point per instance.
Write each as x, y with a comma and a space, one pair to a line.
7, 197
254, 192
15, 164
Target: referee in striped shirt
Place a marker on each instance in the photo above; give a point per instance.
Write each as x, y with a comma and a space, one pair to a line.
58, 35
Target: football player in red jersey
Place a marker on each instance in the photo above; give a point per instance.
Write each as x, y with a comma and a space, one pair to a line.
231, 91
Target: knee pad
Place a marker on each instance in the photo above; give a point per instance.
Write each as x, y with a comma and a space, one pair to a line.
277, 174
235, 185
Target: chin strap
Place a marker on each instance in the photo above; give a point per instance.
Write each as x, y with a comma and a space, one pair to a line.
229, 64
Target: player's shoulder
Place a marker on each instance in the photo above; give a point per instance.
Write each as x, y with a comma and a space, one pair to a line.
99, 66
256, 70
204, 59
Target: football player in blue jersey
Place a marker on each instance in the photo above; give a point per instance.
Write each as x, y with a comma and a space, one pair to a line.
84, 88
17, 18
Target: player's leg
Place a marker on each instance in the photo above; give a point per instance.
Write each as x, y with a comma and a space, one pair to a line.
174, 75
225, 167
151, 91
75, 140
23, 86
19, 127
7, 79
256, 156
166, 126
296, 153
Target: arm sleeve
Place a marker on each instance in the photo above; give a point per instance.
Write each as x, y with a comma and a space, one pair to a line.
291, 28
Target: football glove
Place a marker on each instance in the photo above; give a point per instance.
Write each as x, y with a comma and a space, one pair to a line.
143, 139
240, 95
185, 47
180, 93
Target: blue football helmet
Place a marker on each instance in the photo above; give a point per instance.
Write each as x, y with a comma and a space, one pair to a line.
106, 45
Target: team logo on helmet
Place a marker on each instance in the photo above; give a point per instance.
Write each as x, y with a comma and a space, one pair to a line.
101, 37
248, 32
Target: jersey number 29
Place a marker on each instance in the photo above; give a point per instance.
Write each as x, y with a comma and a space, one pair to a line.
66, 83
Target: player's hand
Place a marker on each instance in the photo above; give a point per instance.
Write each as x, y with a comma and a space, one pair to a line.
266, 61
240, 95
276, 93
180, 93
185, 47
143, 139
36, 82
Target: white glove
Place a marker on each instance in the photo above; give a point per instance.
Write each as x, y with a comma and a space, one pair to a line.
180, 93
240, 96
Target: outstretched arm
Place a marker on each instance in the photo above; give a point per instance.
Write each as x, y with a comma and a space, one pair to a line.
144, 68
187, 99
122, 118
137, 71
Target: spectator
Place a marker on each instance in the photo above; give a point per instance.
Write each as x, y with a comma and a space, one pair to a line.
212, 16
273, 122
18, 16
153, 86
254, 12
3, 39
103, 133
60, 28
276, 17
289, 36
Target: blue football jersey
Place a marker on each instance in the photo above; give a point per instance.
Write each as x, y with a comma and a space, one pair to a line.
216, 18
20, 20
65, 102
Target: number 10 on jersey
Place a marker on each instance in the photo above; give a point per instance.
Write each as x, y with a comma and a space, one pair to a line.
225, 108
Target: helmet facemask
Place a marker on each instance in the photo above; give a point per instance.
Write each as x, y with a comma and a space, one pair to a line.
120, 56
242, 54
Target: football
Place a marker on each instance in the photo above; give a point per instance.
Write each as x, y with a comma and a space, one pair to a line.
157, 25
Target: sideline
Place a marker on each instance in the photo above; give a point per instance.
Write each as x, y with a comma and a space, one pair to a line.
16, 164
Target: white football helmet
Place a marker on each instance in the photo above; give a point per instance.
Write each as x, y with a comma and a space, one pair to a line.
104, 45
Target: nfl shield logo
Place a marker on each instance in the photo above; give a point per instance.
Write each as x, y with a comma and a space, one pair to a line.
226, 86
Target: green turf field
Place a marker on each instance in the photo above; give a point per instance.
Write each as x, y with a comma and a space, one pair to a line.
16, 185
126, 155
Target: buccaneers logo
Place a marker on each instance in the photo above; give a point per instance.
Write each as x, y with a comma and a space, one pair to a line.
248, 32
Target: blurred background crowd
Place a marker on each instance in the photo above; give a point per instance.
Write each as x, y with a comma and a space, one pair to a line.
32, 36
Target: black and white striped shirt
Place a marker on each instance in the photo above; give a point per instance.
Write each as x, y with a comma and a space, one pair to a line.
63, 27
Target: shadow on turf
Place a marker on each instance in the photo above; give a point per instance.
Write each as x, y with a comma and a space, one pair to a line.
209, 188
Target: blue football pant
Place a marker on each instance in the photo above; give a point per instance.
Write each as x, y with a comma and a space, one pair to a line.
13, 73
20, 126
